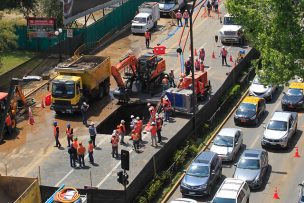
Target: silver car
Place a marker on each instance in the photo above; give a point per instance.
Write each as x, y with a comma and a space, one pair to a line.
259, 90
252, 167
227, 143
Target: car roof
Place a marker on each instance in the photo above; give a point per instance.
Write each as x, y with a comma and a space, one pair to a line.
230, 188
252, 153
251, 100
229, 132
296, 85
280, 116
204, 158
143, 15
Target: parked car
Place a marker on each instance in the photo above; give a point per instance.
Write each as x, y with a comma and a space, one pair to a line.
227, 143
259, 90
280, 129
202, 175
183, 200
301, 193
250, 111
293, 98
232, 191
252, 167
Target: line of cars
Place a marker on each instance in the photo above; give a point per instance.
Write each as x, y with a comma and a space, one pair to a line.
252, 166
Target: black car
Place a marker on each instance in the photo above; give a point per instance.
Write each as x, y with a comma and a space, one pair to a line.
250, 111
293, 99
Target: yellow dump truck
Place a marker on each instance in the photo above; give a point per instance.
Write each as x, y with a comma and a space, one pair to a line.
84, 79
19, 190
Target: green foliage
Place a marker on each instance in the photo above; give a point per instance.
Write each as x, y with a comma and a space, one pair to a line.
275, 28
52, 9
26, 7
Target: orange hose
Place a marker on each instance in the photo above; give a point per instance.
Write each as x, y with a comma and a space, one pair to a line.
60, 199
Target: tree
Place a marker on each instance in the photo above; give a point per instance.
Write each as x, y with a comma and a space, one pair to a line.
26, 7
275, 29
53, 9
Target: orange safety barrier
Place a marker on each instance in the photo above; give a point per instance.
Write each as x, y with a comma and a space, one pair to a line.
47, 100
158, 50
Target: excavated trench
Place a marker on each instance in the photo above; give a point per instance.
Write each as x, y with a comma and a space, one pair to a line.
123, 113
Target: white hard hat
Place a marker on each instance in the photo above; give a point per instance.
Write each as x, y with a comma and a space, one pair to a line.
156, 116
153, 123
92, 123
186, 10
137, 118
132, 116
122, 121
179, 10
151, 108
114, 131
223, 47
148, 104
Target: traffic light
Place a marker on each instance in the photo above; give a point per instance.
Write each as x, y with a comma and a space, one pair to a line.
125, 160
120, 178
126, 176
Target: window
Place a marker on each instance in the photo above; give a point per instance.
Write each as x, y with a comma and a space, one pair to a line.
241, 196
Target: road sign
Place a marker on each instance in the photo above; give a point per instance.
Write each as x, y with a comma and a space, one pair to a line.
70, 33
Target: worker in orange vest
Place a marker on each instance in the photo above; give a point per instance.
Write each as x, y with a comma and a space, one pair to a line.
122, 131
224, 53
8, 123
197, 64
69, 134
73, 155
75, 143
159, 125
186, 17
153, 131
90, 150
135, 138
165, 83
140, 127
114, 142
167, 108
56, 134
148, 38
80, 152
178, 16
152, 112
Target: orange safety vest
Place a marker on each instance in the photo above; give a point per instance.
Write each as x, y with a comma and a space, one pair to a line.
197, 65
8, 120
167, 105
178, 15
137, 128
81, 150
90, 147
75, 144
224, 52
186, 15
114, 141
159, 124
122, 128
153, 130
147, 35
55, 130
135, 136
69, 132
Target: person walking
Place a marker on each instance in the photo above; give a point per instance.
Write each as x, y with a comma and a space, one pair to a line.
186, 17
93, 133
140, 127
69, 134
201, 55
171, 79
188, 65
56, 134
132, 123
135, 139
165, 83
122, 131
81, 152
215, 5
148, 38
209, 8
224, 54
153, 131
84, 108
178, 16
73, 155
159, 125
90, 150
167, 107
114, 142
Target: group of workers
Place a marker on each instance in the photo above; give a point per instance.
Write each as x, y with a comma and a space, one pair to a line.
184, 15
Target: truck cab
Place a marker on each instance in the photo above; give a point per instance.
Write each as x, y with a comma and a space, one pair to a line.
142, 22
230, 32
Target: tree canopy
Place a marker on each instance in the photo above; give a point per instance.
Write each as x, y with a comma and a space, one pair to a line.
275, 29
26, 7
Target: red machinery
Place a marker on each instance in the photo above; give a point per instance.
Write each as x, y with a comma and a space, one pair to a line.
201, 82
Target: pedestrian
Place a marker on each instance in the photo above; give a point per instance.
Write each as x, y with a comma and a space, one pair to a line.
84, 108
165, 83
56, 134
139, 125
73, 155
8, 124
148, 38
186, 17
197, 64
215, 6
93, 133
75, 143
135, 139
209, 7
178, 16
132, 123
153, 134
188, 65
171, 79
167, 108
114, 142
90, 150
152, 111
69, 134
159, 125
122, 131
201, 55
81, 152
224, 53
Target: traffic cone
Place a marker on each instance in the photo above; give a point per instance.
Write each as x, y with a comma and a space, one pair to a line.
42, 103
297, 155
195, 52
230, 58
276, 195
213, 55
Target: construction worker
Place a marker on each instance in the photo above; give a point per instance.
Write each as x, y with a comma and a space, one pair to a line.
167, 108
171, 78
165, 83
75, 143
8, 123
69, 134
159, 125
114, 142
209, 7
73, 155
90, 150
135, 138
84, 108
122, 131
197, 64
224, 53
153, 131
186, 17
138, 127
81, 152
215, 5
180, 83
56, 134
201, 55
132, 123
188, 66
93, 133
178, 16
148, 38
152, 113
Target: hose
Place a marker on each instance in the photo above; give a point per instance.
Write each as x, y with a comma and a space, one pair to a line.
62, 200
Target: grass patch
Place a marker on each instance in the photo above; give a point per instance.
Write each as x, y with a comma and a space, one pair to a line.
13, 58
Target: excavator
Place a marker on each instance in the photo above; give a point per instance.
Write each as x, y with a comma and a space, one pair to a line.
143, 74
10, 104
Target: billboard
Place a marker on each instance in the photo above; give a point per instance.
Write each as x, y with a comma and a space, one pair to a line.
40, 27
74, 9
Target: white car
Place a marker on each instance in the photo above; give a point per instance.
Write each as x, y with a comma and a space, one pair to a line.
230, 32
227, 143
259, 90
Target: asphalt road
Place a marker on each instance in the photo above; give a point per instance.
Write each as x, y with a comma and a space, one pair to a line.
285, 170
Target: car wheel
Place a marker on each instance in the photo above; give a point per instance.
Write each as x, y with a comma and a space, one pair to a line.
256, 121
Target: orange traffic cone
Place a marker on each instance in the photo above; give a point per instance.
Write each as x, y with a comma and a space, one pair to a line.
230, 58
213, 55
297, 155
195, 52
42, 103
276, 195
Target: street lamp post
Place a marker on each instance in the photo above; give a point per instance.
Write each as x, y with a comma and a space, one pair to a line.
58, 34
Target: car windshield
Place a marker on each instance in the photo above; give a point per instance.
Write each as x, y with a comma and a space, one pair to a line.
277, 125
63, 90
223, 200
224, 141
247, 107
228, 21
294, 92
140, 20
199, 171
249, 164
